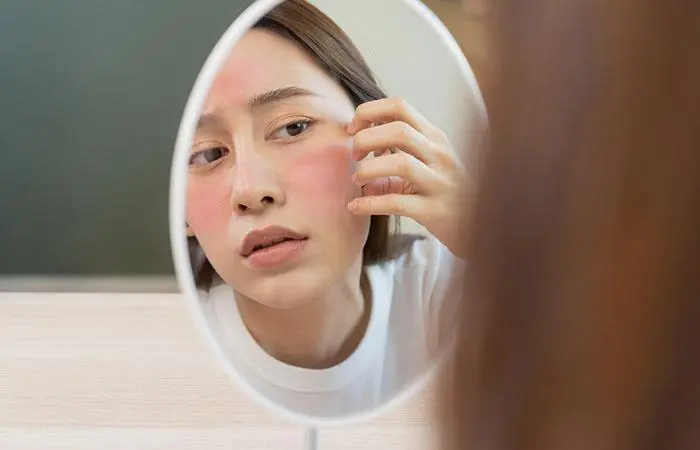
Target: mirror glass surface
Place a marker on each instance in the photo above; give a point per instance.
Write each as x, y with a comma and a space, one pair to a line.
302, 111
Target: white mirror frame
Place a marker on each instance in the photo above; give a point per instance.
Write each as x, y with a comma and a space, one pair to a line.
178, 185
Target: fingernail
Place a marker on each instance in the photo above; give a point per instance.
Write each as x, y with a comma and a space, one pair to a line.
352, 206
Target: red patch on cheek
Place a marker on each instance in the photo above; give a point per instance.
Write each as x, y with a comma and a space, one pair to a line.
323, 177
208, 208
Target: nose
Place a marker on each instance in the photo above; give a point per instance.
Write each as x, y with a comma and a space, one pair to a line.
254, 186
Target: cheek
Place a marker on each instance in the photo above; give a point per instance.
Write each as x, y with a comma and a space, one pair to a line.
322, 179
207, 207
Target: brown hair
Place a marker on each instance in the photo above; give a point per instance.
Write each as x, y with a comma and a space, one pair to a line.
582, 327
327, 44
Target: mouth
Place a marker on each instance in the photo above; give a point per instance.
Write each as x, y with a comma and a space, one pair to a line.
268, 238
269, 244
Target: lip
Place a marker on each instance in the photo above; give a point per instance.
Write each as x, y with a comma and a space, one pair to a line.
265, 235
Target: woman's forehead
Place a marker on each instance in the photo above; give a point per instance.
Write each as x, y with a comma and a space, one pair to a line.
262, 62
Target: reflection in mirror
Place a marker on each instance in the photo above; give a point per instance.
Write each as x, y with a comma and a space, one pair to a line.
318, 298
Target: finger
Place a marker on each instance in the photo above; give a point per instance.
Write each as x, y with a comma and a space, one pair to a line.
393, 135
410, 206
401, 165
386, 185
388, 110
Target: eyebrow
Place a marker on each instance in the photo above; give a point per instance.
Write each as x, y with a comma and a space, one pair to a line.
277, 95
259, 101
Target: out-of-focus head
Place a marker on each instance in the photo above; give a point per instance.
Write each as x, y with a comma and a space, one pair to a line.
582, 322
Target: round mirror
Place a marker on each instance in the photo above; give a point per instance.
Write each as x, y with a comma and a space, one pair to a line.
314, 192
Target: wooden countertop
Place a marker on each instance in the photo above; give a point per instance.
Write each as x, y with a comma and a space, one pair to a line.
85, 371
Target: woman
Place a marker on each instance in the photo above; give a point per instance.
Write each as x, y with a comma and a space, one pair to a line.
288, 216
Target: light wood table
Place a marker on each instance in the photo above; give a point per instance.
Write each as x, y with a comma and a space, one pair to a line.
86, 371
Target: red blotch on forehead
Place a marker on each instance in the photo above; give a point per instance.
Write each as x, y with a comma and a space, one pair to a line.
238, 80
259, 62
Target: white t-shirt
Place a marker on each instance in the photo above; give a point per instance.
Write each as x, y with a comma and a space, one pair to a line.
406, 330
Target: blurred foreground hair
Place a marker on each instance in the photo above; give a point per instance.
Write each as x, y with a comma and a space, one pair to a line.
581, 329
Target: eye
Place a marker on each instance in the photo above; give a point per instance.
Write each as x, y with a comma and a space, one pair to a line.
208, 156
292, 129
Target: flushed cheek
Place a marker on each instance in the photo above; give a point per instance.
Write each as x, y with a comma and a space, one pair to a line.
208, 209
322, 179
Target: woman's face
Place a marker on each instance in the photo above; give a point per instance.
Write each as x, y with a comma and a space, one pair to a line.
272, 160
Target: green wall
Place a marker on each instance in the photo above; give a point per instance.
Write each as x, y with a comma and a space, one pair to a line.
92, 94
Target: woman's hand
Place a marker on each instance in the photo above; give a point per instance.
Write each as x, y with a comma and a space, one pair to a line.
414, 171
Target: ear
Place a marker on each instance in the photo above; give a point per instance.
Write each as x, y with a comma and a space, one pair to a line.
188, 231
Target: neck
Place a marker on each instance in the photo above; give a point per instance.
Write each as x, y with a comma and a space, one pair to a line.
319, 334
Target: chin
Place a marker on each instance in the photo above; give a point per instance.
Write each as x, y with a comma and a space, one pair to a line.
284, 297
288, 302
288, 291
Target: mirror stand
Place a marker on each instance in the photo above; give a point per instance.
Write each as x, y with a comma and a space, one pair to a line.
311, 439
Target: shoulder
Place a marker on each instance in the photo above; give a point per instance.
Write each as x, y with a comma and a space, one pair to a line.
215, 298
429, 280
424, 253
423, 270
